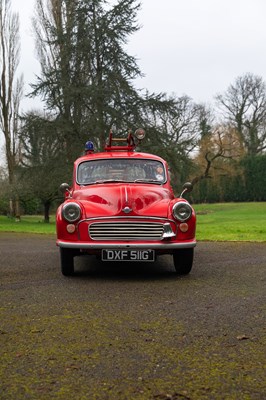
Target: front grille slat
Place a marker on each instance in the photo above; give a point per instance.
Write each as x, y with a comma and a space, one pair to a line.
126, 231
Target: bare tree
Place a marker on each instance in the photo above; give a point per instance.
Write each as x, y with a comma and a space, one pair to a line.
10, 88
219, 153
174, 127
244, 106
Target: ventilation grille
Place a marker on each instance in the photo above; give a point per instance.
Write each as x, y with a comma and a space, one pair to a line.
126, 231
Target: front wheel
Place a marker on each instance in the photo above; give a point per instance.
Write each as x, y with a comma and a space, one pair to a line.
67, 261
183, 261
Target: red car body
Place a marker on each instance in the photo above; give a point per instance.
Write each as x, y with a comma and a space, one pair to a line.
121, 207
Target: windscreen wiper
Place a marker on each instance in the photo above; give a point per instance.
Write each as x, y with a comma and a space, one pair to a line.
148, 181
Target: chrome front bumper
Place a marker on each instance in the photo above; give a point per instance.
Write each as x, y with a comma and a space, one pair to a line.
108, 245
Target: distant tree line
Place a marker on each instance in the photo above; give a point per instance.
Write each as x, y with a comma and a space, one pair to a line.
232, 153
248, 184
87, 85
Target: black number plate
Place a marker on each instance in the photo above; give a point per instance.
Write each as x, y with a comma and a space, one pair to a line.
127, 255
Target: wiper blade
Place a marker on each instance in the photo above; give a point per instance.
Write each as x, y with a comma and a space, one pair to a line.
148, 181
108, 180
124, 181
101, 181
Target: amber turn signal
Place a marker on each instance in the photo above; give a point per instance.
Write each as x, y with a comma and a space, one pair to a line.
183, 227
71, 228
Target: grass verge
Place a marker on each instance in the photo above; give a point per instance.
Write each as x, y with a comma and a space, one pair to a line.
27, 224
231, 222
215, 222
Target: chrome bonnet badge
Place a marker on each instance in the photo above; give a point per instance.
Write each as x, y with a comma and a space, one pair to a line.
126, 210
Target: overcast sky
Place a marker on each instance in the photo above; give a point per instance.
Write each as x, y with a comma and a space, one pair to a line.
193, 47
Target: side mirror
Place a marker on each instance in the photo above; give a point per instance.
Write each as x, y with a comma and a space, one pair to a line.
187, 187
64, 188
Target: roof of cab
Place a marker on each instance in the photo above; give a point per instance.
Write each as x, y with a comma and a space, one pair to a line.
118, 154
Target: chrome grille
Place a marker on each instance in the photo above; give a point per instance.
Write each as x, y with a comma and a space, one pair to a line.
126, 231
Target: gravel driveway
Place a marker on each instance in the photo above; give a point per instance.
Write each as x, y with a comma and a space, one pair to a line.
131, 331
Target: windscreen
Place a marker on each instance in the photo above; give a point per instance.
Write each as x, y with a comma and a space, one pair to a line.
121, 170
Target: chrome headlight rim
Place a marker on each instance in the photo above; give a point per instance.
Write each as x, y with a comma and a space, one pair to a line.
71, 212
180, 215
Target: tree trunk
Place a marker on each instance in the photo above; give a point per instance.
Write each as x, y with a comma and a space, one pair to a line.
17, 209
47, 205
11, 208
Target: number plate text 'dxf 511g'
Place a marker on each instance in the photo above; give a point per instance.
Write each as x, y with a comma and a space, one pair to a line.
127, 255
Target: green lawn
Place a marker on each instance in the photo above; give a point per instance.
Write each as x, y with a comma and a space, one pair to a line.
27, 224
217, 222
231, 221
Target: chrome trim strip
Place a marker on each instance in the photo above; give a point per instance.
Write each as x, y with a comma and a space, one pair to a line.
126, 217
126, 196
155, 246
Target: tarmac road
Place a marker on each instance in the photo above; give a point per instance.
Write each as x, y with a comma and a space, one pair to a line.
127, 331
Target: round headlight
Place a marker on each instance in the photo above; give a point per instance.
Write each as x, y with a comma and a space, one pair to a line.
182, 211
71, 212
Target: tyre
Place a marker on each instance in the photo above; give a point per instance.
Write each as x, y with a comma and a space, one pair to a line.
183, 261
67, 261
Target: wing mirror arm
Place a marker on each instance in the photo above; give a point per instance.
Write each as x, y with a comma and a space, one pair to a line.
65, 189
187, 187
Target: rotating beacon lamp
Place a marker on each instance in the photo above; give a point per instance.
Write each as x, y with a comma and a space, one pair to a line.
89, 147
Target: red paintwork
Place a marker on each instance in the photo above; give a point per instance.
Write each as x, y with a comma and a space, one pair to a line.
144, 199
107, 200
